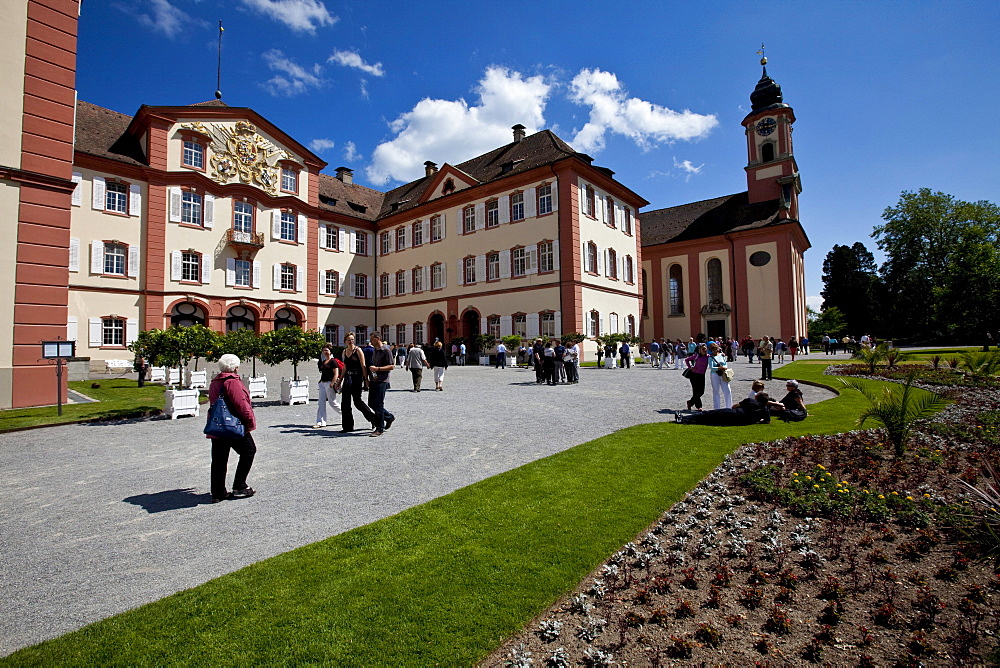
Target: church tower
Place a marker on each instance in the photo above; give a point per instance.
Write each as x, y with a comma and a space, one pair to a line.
771, 170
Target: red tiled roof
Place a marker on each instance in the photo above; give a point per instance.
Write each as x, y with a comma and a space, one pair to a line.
708, 218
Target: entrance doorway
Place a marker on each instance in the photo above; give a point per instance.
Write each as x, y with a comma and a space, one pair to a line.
436, 332
716, 329
470, 325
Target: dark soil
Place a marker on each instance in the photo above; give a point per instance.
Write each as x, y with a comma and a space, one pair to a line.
786, 566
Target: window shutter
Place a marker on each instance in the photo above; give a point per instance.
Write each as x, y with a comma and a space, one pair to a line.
231, 272
97, 257
581, 190
555, 195
621, 268
96, 333
425, 227
409, 335
322, 282
480, 216
133, 260
256, 274
74, 254
444, 225
444, 274
131, 331
506, 325
135, 200
350, 285
425, 277
583, 256
370, 245
276, 275
532, 324
602, 326
300, 279
343, 241
505, 264
175, 265
461, 272
407, 282
276, 224
98, 193
77, 198
503, 208
72, 328
555, 254
206, 269
340, 285
175, 205
368, 287
557, 316
602, 260
322, 236
208, 213
303, 225
480, 267
531, 260
529, 203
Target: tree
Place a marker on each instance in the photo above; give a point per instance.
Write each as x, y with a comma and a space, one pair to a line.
244, 343
851, 284
830, 321
939, 250
291, 344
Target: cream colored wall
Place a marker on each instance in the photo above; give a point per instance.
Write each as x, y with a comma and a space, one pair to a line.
88, 225
769, 173
678, 326
763, 305
9, 202
84, 305
13, 33
605, 237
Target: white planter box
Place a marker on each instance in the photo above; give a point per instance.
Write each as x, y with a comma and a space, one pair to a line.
295, 391
257, 387
181, 402
157, 374
173, 376
197, 379
484, 361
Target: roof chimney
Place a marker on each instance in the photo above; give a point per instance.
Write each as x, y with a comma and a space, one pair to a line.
518, 132
346, 175
430, 168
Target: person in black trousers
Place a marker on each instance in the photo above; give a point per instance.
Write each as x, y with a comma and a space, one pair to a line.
354, 383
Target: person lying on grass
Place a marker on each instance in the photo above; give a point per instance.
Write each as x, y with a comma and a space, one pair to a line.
748, 411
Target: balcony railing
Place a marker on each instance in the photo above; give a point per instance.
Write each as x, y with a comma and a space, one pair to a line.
245, 240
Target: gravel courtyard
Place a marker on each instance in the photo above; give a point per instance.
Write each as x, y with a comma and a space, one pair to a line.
100, 518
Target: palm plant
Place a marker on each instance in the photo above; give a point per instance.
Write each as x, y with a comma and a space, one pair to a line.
893, 356
985, 532
872, 357
897, 407
953, 363
936, 361
980, 366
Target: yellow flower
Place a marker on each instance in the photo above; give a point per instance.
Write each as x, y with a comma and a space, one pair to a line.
809, 477
816, 486
820, 466
895, 494
927, 496
880, 496
909, 498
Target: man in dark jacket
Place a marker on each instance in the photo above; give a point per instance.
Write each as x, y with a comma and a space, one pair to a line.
379, 366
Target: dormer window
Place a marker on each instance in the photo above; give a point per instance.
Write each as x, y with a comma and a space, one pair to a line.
289, 179
193, 155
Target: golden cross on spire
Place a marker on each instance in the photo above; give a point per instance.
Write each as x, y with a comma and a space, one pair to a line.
763, 59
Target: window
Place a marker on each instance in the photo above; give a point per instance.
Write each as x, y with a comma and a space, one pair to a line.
418, 279
240, 317
400, 282
517, 207
590, 206
360, 286
437, 276
284, 317
385, 333
437, 229
361, 334
112, 332
243, 217
331, 282
187, 314
418, 332
193, 155
332, 240
242, 270
288, 277
470, 270
289, 180
544, 199
611, 213
114, 259
191, 267
676, 290
612, 264
492, 213
767, 152
288, 223
383, 282
493, 326
115, 197
546, 257
330, 334
714, 274
385, 242
592, 257
469, 220
520, 324
630, 325
400, 238
613, 323
361, 243
518, 262
418, 233
493, 266
595, 323
629, 270
401, 334
548, 324
191, 208
627, 222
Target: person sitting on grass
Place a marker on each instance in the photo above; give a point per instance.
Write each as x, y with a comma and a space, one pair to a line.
748, 411
791, 408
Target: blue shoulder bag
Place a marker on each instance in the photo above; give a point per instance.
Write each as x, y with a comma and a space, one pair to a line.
221, 422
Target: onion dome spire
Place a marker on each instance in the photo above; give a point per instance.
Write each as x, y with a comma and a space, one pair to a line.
767, 93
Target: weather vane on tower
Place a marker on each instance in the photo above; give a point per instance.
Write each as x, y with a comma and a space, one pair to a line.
763, 59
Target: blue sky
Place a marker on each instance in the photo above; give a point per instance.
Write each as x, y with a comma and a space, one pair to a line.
889, 96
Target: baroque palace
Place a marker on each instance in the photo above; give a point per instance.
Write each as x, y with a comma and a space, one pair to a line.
211, 214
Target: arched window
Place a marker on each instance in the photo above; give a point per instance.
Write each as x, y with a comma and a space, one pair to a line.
284, 317
767, 152
239, 317
714, 273
676, 290
186, 314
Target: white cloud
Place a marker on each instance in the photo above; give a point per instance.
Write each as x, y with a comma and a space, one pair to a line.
645, 123
320, 145
814, 302
364, 88
353, 59
351, 152
452, 131
167, 19
291, 78
299, 15
686, 166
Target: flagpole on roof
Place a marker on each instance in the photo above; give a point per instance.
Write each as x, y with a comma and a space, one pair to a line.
218, 77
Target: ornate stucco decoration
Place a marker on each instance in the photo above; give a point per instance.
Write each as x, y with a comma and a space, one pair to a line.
238, 152
715, 308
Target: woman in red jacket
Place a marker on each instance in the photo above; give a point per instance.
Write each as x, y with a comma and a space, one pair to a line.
227, 384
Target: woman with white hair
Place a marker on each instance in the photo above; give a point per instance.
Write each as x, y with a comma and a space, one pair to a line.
227, 384
791, 408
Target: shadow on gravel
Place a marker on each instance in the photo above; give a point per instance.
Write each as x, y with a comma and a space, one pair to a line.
171, 499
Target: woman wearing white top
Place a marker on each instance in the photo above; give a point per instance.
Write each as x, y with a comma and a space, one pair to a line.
722, 395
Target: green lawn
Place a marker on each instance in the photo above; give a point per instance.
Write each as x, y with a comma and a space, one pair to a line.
444, 582
117, 398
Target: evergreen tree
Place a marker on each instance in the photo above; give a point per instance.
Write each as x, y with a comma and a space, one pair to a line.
851, 285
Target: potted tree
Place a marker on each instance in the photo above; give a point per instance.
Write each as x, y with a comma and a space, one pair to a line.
200, 342
245, 344
291, 344
484, 344
512, 342
168, 348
